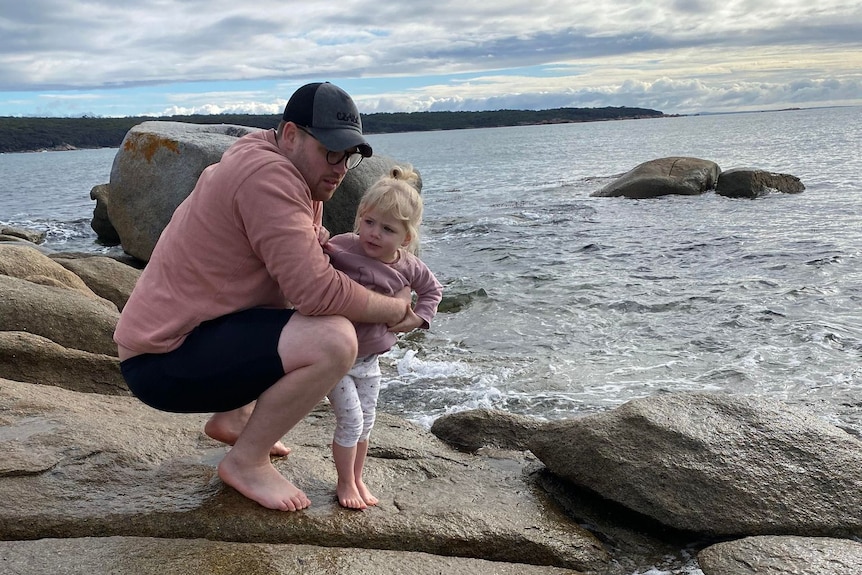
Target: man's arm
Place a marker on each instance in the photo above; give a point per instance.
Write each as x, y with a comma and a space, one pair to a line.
384, 309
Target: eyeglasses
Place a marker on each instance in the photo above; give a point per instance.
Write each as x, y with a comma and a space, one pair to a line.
351, 159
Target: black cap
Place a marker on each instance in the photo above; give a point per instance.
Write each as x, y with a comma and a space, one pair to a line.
329, 114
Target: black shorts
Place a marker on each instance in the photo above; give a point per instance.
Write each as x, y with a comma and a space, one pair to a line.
223, 364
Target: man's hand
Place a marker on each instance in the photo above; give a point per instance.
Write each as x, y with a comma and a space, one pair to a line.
405, 294
410, 322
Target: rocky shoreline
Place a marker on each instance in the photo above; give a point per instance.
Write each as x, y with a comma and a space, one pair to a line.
93, 481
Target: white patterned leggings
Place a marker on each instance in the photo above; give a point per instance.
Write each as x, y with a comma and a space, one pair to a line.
354, 401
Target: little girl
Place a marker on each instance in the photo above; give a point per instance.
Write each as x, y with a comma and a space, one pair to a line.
380, 255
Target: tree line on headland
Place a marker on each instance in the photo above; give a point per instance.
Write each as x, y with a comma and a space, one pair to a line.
21, 134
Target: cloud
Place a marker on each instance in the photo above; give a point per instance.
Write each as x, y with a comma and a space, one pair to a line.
676, 55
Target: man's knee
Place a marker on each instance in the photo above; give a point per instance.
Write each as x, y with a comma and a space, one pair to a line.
340, 343
312, 340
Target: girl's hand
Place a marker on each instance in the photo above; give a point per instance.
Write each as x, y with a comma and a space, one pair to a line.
322, 235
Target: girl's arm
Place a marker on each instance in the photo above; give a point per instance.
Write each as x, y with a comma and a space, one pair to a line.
428, 290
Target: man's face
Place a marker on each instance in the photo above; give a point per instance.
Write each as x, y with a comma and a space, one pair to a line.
310, 159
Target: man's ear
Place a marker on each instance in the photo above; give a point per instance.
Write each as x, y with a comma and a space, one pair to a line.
289, 133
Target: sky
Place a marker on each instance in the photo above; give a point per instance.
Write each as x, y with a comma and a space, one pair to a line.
112, 58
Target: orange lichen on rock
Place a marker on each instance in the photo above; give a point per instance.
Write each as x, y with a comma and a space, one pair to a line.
148, 145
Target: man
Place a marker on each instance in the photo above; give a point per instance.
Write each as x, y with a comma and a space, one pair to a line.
238, 311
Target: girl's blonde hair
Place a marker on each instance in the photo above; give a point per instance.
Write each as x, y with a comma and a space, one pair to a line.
396, 196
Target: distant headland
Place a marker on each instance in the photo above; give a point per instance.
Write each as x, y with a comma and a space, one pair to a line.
25, 134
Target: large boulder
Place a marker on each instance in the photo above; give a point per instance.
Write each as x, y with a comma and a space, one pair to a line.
474, 429
156, 167
22, 234
101, 223
86, 465
63, 315
664, 176
776, 555
714, 464
107, 277
753, 183
54, 329
26, 262
155, 556
36, 359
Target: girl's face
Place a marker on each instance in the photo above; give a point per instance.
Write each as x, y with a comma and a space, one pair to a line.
381, 235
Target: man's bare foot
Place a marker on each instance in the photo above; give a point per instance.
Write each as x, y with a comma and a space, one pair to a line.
348, 496
226, 427
366, 495
263, 484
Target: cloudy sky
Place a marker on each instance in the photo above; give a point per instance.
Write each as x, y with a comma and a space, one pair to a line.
161, 57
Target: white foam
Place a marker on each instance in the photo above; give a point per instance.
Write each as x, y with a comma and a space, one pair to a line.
410, 365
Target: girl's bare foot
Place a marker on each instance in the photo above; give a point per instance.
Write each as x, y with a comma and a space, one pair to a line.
366, 495
263, 484
348, 496
226, 427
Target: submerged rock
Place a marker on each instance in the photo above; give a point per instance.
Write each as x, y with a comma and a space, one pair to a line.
752, 183
664, 176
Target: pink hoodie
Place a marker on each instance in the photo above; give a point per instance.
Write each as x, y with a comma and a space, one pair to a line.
347, 255
245, 237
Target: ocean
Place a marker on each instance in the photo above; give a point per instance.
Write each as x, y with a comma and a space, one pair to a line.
559, 304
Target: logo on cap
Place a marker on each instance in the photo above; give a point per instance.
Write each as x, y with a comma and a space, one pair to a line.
348, 117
